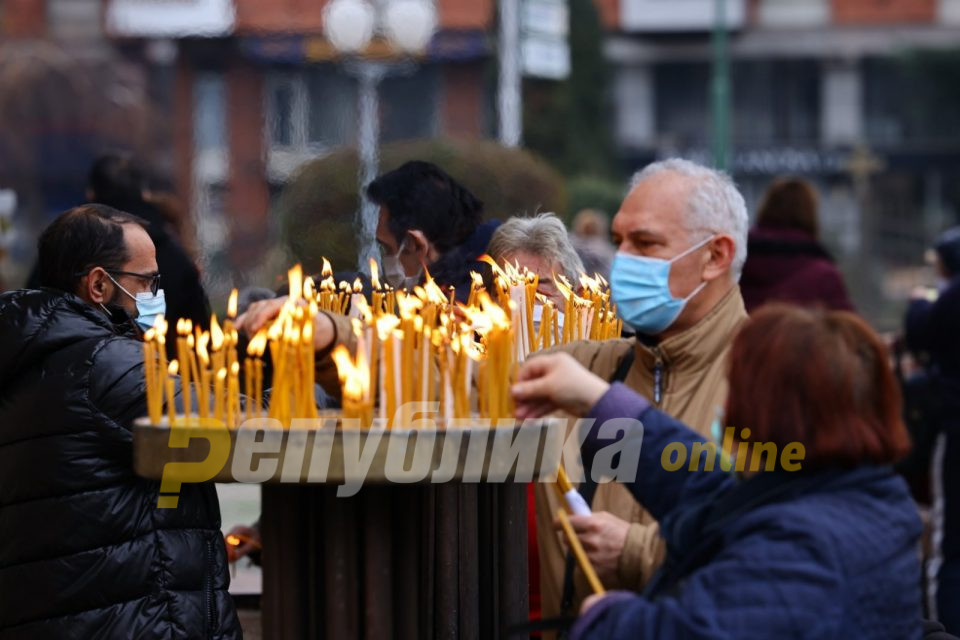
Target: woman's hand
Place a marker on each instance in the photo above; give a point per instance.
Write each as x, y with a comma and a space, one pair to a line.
554, 381
261, 313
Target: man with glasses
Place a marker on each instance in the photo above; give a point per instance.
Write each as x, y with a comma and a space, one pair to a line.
84, 549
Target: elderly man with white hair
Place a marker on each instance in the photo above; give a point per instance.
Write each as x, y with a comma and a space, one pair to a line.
541, 244
681, 236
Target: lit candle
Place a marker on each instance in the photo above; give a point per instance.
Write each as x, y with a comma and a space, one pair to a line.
171, 404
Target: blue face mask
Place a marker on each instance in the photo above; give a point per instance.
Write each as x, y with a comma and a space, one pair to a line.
640, 287
149, 305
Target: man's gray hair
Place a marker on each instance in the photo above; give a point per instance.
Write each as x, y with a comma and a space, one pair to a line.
714, 204
543, 235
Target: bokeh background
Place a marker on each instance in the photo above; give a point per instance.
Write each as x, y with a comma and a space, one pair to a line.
249, 120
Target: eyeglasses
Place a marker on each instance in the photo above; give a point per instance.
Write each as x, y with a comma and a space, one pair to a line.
154, 278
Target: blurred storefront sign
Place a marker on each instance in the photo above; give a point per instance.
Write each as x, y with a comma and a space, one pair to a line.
779, 160
446, 46
169, 18
679, 15
544, 49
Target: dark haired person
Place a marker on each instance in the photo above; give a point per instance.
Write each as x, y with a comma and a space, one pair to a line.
827, 550
786, 262
118, 181
428, 219
84, 550
933, 318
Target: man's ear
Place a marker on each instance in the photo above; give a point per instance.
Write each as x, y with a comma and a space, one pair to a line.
722, 251
97, 286
417, 243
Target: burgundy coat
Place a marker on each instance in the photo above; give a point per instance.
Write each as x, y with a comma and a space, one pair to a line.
788, 265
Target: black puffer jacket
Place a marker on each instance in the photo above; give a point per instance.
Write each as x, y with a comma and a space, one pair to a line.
84, 550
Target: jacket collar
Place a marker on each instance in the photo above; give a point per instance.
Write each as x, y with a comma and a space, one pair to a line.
701, 344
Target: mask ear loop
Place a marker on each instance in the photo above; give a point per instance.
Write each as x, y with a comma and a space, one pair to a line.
688, 252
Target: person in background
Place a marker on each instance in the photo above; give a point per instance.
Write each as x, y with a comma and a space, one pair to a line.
85, 551
932, 322
681, 236
787, 263
428, 220
591, 240
540, 244
816, 539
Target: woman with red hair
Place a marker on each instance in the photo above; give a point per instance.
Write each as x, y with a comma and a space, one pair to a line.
815, 538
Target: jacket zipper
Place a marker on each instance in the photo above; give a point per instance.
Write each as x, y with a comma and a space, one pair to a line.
658, 372
208, 588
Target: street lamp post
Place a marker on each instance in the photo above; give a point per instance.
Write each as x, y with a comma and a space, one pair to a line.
350, 25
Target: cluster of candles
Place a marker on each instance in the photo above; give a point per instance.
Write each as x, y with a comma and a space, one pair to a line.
209, 370
591, 315
412, 346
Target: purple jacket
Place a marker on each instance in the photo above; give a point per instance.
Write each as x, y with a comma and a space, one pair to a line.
819, 555
787, 265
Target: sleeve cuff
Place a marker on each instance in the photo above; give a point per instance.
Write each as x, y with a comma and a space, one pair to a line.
619, 402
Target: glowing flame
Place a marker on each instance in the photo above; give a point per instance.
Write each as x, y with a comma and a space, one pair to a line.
358, 285
295, 277
257, 344
309, 288
233, 541
235, 368
216, 334
477, 280
386, 325
327, 271
202, 343
150, 335
354, 374
173, 368
374, 274
232, 304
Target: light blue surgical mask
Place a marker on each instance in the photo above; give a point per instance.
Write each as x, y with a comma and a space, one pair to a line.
149, 305
640, 286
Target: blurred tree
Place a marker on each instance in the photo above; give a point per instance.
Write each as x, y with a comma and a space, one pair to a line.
567, 122
57, 111
316, 208
591, 192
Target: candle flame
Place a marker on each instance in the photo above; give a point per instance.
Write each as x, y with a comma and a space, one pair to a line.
216, 334
327, 271
295, 277
173, 367
150, 335
374, 275
358, 285
202, 348
235, 368
309, 288
258, 344
354, 373
222, 374
477, 280
232, 304
233, 541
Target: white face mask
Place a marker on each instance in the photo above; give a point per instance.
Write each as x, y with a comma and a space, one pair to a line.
394, 273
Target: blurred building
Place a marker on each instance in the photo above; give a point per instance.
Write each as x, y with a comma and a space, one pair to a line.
859, 95
258, 91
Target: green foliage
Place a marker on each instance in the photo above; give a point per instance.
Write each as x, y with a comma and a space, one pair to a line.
318, 205
567, 122
588, 192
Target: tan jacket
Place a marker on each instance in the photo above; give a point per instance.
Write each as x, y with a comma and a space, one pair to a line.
693, 389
